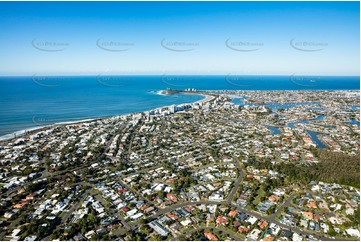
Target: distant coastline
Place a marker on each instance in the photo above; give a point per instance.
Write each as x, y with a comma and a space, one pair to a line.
33, 130
73, 99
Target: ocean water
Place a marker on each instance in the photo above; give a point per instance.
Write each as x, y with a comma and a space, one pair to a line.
34, 101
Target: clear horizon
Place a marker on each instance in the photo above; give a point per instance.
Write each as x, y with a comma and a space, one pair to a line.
199, 38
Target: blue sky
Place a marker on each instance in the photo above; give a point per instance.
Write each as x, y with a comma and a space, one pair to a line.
270, 38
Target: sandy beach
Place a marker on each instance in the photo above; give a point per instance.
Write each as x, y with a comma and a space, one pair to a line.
207, 98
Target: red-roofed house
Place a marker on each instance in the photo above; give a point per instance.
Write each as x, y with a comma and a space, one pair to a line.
317, 217
222, 220
269, 238
274, 198
21, 204
144, 207
121, 191
308, 215
172, 216
217, 184
211, 236
125, 209
243, 229
172, 197
233, 213
312, 205
263, 224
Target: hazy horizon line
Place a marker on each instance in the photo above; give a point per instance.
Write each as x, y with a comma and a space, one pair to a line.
140, 74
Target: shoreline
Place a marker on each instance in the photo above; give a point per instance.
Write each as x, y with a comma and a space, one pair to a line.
206, 98
205, 93
33, 130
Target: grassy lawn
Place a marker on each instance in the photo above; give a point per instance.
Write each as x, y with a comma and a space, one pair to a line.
24, 234
260, 195
62, 214
228, 230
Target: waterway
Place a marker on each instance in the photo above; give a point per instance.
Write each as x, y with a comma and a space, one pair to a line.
275, 130
314, 137
354, 121
313, 134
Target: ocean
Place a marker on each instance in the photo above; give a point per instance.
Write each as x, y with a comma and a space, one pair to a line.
36, 101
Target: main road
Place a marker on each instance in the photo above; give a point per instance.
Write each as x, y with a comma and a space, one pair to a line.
237, 182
